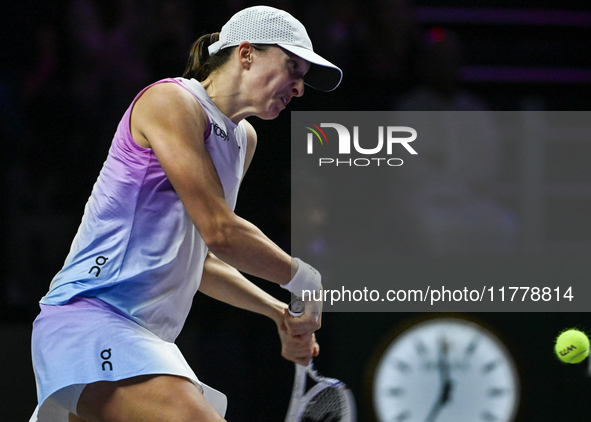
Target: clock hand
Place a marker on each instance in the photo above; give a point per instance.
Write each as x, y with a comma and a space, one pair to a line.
434, 411
445, 376
446, 383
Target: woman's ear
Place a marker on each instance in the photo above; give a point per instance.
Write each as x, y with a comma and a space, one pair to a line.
245, 54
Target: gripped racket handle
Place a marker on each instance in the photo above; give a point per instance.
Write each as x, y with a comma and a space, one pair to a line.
296, 307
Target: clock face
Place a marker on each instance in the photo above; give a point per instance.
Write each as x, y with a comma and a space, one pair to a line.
446, 370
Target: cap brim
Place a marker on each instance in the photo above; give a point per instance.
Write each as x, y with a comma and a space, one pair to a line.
323, 75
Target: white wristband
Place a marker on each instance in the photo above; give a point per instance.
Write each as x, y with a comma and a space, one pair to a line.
306, 278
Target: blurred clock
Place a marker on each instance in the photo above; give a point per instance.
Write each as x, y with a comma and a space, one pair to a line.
445, 370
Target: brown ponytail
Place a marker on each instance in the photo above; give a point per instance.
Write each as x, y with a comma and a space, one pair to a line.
201, 64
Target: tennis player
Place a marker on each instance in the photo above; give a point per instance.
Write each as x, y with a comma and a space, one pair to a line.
160, 225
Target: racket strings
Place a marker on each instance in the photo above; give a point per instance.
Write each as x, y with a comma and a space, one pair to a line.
329, 405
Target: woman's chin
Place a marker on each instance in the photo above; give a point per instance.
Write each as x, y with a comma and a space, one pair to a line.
271, 114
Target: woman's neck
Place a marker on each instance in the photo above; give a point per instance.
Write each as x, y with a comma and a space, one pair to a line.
227, 94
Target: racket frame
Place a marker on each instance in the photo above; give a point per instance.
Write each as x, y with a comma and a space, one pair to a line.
300, 398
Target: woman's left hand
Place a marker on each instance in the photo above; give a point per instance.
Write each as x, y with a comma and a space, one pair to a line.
298, 341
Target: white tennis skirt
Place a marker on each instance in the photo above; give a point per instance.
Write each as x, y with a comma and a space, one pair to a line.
86, 341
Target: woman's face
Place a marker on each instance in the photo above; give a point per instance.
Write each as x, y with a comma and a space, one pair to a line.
277, 76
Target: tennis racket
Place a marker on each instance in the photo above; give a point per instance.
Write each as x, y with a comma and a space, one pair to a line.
328, 400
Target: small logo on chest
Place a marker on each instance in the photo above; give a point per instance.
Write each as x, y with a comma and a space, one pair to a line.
218, 131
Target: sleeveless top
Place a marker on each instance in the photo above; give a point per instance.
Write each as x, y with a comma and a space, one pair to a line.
136, 248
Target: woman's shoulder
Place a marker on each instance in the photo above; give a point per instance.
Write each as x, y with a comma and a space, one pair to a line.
168, 91
166, 108
170, 98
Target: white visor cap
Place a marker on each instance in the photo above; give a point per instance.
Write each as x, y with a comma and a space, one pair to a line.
267, 25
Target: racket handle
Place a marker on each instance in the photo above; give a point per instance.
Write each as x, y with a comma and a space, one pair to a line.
296, 307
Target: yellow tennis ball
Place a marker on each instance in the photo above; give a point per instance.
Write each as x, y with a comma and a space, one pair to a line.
572, 346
